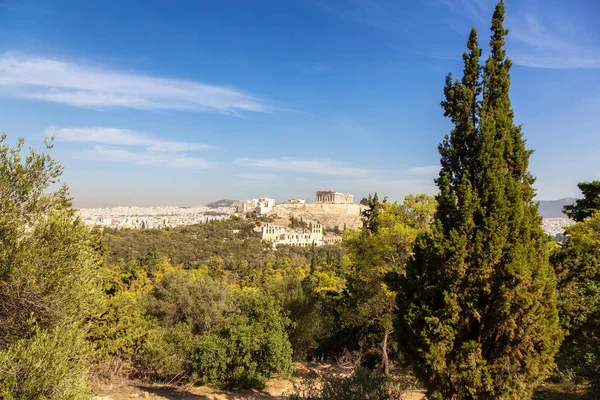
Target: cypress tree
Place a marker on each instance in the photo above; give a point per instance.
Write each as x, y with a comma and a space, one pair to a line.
477, 306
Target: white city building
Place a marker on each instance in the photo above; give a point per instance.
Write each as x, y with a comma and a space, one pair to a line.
296, 237
260, 206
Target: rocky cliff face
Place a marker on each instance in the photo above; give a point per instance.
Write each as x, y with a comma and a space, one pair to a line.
328, 215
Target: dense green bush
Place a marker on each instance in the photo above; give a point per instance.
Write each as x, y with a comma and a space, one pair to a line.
49, 270
308, 323
362, 384
122, 330
251, 347
577, 268
53, 275
52, 365
211, 360
190, 297
166, 355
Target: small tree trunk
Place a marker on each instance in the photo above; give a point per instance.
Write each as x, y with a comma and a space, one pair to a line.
384, 352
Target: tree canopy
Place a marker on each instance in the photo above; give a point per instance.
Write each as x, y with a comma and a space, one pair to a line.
477, 307
586, 206
49, 287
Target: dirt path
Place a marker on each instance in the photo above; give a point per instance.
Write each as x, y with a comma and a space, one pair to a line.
137, 390
275, 389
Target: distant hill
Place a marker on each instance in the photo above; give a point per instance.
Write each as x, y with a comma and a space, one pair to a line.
222, 203
553, 208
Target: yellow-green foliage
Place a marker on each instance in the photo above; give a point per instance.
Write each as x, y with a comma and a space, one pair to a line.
123, 329
167, 353
50, 365
48, 277
577, 267
381, 248
189, 297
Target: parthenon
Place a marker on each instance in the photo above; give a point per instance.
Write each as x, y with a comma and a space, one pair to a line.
331, 196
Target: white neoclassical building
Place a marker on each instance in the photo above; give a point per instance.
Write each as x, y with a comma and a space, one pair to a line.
296, 237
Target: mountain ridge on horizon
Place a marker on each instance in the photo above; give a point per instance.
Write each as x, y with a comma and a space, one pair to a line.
554, 208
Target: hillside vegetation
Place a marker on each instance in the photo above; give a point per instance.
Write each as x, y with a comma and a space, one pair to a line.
462, 291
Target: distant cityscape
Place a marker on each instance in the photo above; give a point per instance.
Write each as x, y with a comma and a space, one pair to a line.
153, 217
328, 203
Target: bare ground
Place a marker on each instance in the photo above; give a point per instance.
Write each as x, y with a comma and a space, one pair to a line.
276, 388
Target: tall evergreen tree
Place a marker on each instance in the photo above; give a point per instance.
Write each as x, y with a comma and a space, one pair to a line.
477, 307
371, 213
586, 206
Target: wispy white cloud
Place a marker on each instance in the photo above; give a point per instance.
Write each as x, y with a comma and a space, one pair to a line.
124, 137
123, 145
376, 14
313, 166
119, 154
550, 42
426, 170
477, 9
85, 86
396, 18
541, 35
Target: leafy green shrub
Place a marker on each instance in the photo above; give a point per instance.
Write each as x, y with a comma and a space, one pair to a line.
49, 273
362, 384
251, 347
309, 325
191, 297
581, 362
592, 369
211, 359
167, 353
52, 364
122, 330
577, 269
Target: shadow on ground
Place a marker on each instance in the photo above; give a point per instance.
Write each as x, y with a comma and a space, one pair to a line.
187, 393
564, 391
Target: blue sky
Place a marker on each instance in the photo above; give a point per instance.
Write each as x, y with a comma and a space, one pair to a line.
182, 103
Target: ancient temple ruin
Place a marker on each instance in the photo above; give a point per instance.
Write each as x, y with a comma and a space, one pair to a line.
331, 196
